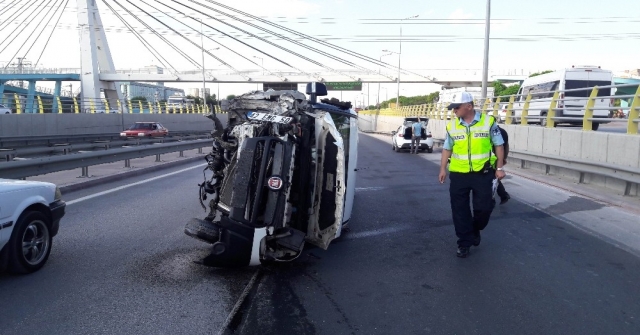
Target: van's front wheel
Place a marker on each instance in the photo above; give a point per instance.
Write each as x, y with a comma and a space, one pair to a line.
543, 119
595, 126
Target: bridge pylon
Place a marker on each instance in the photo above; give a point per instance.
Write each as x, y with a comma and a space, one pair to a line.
95, 57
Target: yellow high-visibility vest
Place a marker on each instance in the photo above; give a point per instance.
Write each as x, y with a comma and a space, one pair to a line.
471, 145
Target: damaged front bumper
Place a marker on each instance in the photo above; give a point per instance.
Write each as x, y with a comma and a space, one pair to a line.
253, 206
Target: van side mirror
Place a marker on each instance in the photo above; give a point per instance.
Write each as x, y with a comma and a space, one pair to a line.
315, 90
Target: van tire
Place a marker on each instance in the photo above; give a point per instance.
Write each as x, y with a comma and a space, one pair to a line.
595, 126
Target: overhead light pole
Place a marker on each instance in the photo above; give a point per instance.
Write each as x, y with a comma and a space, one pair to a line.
262, 61
399, 59
485, 66
379, 73
204, 98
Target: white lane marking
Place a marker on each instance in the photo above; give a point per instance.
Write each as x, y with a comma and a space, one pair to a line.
364, 189
95, 195
236, 307
370, 233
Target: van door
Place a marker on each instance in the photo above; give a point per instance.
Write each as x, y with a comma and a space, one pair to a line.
352, 167
325, 221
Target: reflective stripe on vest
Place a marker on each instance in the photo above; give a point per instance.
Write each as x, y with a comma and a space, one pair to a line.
471, 145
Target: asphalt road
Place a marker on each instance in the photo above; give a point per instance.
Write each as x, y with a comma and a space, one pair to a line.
546, 265
121, 264
550, 263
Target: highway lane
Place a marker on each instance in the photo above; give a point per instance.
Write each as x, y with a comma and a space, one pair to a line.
548, 263
121, 264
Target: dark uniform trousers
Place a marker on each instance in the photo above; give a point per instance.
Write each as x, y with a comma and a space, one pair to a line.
462, 185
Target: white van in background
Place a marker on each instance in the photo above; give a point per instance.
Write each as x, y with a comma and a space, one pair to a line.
542, 88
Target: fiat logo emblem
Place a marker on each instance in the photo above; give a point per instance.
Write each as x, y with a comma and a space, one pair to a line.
274, 183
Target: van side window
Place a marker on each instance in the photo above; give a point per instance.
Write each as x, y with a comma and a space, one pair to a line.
544, 90
587, 84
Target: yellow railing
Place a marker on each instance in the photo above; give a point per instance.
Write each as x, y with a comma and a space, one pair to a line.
562, 106
41, 105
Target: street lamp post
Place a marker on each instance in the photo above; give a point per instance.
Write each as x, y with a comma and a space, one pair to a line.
379, 73
485, 68
204, 94
262, 61
399, 58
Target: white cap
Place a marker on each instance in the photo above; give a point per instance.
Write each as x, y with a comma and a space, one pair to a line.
459, 99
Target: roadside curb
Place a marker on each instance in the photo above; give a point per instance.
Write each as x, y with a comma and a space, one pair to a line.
609, 198
127, 174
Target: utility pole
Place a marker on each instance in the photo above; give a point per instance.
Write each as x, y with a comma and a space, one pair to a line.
380, 73
262, 61
485, 68
204, 91
22, 61
399, 58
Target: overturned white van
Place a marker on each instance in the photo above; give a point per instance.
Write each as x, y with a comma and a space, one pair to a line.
283, 174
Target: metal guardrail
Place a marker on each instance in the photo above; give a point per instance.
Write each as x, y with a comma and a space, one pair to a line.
9, 154
629, 175
19, 141
33, 167
556, 103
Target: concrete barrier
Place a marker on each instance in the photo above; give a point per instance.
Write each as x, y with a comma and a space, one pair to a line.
70, 124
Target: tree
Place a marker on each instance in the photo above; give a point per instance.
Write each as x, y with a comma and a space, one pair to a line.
139, 98
540, 73
212, 99
231, 96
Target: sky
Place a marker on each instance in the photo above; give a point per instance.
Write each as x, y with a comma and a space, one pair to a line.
446, 39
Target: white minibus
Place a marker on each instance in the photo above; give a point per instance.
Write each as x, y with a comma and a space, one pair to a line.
572, 102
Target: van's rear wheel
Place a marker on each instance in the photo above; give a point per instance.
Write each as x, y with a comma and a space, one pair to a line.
595, 126
543, 119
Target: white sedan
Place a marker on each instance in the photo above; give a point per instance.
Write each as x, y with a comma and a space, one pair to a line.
401, 138
30, 214
5, 110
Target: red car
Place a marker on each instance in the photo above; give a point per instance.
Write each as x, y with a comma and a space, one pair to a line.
145, 129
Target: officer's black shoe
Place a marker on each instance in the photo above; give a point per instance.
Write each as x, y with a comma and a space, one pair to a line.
505, 199
462, 252
477, 239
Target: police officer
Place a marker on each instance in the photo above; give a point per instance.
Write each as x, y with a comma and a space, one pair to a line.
471, 136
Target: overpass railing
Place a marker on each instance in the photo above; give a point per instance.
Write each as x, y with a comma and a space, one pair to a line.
59, 105
586, 106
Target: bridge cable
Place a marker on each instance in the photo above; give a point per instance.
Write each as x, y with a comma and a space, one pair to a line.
155, 32
306, 37
18, 34
220, 44
325, 43
51, 34
41, 31
8, 7
190, 41
260, 38
324, 53
146, 44
237, 40
17, 14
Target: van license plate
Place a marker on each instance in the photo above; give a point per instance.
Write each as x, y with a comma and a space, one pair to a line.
265, 117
